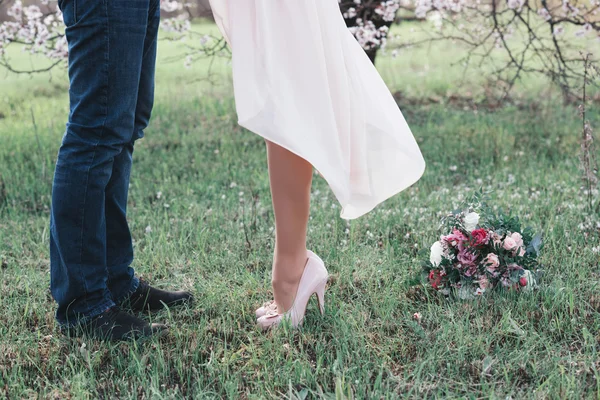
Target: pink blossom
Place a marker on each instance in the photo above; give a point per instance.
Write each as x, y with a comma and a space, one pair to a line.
497, 239
466, 257
456, 238
491, 263
509, 243
471, 271
516, 236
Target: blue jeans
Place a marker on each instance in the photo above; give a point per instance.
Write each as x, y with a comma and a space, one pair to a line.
112, 58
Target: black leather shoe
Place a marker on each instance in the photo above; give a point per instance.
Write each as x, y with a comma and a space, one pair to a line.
147, 298
116, 325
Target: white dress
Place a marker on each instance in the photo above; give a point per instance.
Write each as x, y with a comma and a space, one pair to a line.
302, 81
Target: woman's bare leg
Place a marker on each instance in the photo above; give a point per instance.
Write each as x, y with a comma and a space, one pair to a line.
291, 179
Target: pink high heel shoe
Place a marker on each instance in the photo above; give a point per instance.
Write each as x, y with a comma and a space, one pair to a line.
313, 281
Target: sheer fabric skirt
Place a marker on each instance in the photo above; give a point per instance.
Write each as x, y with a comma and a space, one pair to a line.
302, 81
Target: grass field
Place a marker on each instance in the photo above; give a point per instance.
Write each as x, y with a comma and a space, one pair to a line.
210, 231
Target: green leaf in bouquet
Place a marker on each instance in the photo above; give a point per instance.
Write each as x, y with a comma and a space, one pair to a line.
527, 234
516, 275
424, 253
425, 277
426, 265
535, 246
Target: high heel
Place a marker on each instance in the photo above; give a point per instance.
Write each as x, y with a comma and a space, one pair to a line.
321, 296
270, 307
313, 281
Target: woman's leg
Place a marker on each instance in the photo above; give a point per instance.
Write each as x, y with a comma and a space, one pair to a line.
291, 178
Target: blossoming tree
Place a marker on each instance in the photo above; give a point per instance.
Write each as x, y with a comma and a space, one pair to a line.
370, 21
532, 36
546, 37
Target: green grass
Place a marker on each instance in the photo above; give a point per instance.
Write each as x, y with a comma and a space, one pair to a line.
215, 237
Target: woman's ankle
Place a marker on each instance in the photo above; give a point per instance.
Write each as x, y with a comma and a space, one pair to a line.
288, 269
287, 272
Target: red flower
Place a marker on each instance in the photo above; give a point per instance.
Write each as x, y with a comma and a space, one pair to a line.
435, 278
479, 237
523, 281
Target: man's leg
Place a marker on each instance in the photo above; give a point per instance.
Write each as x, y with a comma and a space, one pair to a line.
119, 249
124, 286
106, 45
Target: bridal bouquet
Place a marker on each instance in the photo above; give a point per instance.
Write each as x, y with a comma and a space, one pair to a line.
482, 250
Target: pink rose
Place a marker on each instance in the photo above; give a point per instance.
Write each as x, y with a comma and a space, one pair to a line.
456, 238
491, 262
497, 239
522, 252
466, 257
472, 270
509, 243
516, 236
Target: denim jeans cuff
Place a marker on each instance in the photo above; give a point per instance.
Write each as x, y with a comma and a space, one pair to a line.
135, 282
84, 318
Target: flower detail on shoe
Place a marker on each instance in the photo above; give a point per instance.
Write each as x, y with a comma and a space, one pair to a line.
268, 308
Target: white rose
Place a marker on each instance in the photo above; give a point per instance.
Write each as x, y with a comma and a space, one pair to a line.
471, 220
436, 253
